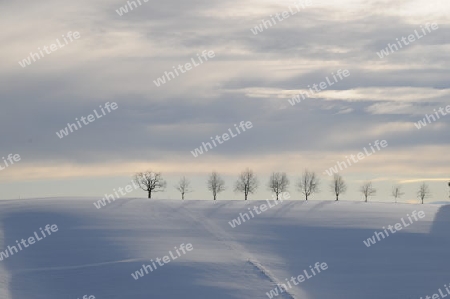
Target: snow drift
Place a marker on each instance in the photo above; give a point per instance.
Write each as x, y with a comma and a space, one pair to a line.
96, 252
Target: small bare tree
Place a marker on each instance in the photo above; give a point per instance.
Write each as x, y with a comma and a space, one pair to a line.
183, 186
449, 190
338, 185
246, 183
424, 192
397, 192
150, 181
308, 184
367, 190
215, 184
278, 183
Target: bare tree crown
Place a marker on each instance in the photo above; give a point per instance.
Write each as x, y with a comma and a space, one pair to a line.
397, 192
183, 186
246, 183
308, 184
215, 184
367, 190
424, 192
338, 185
278, 183
150, 181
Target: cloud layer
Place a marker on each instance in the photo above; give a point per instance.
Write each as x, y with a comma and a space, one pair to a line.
251, 78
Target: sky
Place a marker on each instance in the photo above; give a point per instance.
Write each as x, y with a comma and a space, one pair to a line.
117, 59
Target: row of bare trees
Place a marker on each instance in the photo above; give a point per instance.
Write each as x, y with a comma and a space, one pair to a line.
247, 183
368, 190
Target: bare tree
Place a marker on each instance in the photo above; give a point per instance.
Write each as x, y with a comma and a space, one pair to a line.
308, 184
246, 183
215, 184
367, 190
278, 183
424, 192
397, 192
449, 190
183, 186
150, 181
338, 185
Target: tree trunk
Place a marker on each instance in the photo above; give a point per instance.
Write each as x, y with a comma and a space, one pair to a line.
337, 197
182, 196
306, 197
149, 193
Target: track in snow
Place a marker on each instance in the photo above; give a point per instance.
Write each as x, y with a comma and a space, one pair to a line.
240, 250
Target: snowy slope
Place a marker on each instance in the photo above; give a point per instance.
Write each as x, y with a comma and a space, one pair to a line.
95, 251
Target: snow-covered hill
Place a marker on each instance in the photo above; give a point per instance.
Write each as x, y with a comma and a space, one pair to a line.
111, 252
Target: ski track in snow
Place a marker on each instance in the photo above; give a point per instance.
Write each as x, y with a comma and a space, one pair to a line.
79, 266
232, 244
327, 230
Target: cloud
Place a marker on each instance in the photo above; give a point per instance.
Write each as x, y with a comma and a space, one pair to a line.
251, 78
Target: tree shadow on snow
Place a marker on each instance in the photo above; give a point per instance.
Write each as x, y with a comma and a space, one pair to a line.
84, 258
405, 265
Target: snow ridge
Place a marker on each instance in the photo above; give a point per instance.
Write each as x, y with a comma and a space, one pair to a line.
232, 244
266, 272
